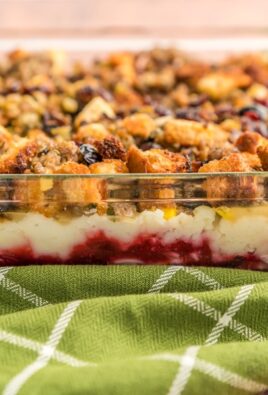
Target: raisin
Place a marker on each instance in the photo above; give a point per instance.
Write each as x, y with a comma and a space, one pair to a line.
161, 110
225, 111
90, 154
148, 144
52, 120
201, 99
191, 114
85, 94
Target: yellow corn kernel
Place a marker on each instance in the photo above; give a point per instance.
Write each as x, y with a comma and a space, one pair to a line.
169, 212
225, 213
46, 184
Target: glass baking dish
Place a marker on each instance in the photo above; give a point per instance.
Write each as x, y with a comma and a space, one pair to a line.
215, 219
218, 219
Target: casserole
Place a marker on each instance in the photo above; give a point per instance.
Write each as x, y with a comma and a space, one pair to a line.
164, 172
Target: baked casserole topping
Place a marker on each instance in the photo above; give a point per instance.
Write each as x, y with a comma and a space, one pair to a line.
160, 106
148, 112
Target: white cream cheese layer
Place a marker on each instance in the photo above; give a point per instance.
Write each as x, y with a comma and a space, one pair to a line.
246, 233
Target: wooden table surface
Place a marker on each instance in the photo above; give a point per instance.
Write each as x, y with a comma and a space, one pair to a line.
168, 16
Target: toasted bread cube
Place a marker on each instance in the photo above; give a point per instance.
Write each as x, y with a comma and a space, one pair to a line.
250, 142
91, 132
78, 190
35, 195
182, 132
220, 84
155, 161
262, 152
139, 125
108, 166
238, 187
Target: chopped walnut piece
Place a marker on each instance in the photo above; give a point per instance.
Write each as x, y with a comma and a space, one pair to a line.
155, 161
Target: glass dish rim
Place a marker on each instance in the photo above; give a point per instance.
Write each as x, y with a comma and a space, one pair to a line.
134, 176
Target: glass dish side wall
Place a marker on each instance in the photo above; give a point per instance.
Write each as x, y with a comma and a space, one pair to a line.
214, 220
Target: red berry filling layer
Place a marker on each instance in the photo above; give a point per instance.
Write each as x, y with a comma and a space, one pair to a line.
145, 249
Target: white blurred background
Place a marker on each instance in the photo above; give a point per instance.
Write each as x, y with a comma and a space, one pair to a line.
138, 16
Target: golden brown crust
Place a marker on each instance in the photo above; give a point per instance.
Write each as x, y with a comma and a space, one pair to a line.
155, 161
226, 188
249, 142
109, 166
183, 132
155, 111
220, 84
139, 125
237, 162
262, 152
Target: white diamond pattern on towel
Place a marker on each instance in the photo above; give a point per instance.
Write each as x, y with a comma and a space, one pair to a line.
46, 352
226, 318
21, 341
164, 279
16, 288
185, 370
223, 320
166, 276
218, 373
203, 278
213, 313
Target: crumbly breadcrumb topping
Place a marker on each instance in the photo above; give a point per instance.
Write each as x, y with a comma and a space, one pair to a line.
156, 111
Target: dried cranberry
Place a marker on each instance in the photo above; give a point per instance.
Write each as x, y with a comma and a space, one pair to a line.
89, 153
263, 102
256, 112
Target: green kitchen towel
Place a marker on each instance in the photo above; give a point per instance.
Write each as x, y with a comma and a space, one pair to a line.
138, 330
